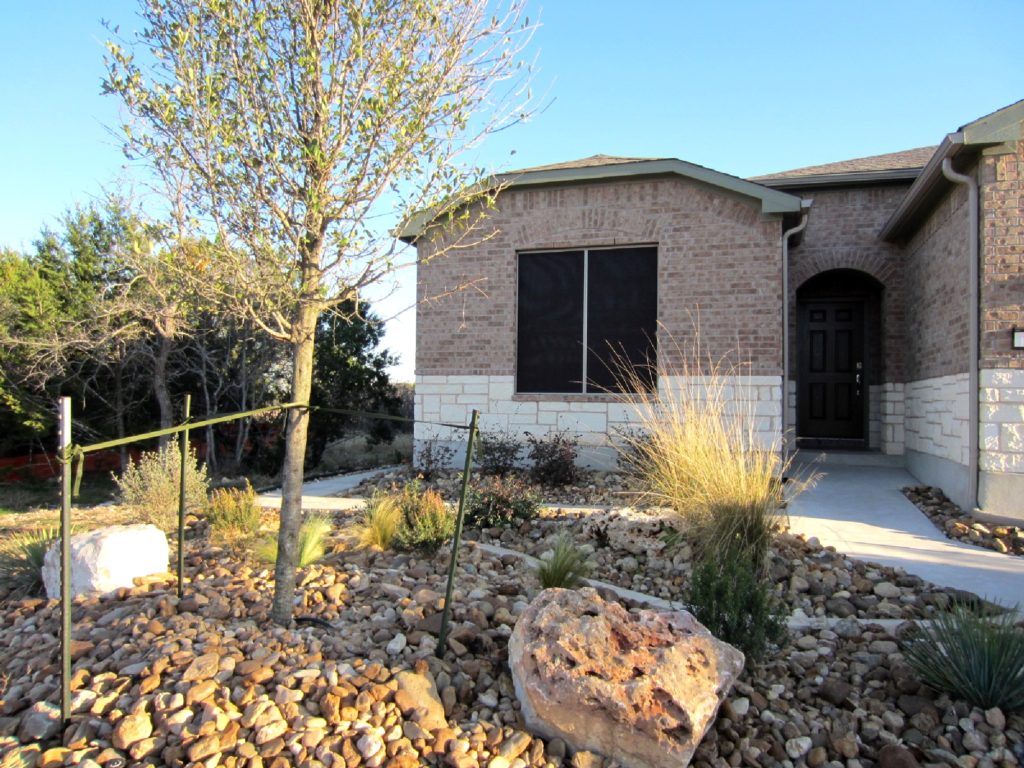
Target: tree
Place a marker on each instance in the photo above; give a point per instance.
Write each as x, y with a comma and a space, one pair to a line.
349, 373
293, 129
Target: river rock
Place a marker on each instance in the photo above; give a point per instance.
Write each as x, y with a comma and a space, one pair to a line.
641, 688
107, 559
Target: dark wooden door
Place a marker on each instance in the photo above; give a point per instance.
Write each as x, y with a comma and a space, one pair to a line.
831, 386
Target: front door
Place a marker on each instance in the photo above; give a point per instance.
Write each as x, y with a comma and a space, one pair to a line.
831, 388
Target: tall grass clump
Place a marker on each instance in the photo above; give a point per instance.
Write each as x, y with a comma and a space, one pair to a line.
312, 541
151, 486
971, 655
21, 559
233, 514
695, 449
566, 568
380, 521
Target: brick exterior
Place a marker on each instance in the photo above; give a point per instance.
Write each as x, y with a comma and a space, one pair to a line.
719, 263
842, 233
1002, 269
937, 296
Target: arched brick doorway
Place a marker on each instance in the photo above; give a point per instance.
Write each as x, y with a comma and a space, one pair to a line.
838, 359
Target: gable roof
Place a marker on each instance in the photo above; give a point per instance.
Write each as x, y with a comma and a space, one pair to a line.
994, 128
891, 166
607, 167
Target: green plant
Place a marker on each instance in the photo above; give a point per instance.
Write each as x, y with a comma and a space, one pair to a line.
151, 486
380, 521
498, 453
233, 513
21, 559
697, 450
728, 595
554, 458
566, 568
500, 501
312, 542
426, 521
969, 654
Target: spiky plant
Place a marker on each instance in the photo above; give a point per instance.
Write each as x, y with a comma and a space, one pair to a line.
971, 655
21, 559
380, 521
312, 542
566, 568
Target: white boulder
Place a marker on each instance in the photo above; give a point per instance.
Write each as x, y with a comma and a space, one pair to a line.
107, 559
640, 688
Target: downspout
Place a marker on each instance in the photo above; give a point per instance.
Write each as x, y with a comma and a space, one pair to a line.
805, 205
973, 334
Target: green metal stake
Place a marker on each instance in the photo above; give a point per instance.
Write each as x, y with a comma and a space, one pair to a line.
181, 497
65, 561
443, 635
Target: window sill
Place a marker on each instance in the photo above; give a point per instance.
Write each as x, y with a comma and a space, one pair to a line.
579, 397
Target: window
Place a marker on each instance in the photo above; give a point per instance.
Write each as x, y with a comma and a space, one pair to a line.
584, 314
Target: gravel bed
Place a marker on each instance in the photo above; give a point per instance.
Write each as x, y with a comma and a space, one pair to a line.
960, 526
209, 680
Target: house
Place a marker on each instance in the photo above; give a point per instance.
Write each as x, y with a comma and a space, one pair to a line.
875, 301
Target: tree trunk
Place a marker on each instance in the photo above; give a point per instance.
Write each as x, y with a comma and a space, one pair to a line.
163, 395
294, 463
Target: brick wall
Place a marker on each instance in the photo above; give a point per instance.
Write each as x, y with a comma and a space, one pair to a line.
937, 295
718, 263
1002, 270
842, 233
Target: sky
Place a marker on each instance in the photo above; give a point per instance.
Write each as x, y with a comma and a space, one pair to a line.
743, 87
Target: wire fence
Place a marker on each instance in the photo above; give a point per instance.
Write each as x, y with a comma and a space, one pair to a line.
72, 462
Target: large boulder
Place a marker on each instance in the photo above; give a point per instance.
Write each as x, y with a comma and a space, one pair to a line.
107, 559
641, 688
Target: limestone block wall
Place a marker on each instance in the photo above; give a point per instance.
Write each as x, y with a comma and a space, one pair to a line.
892, 406
1002, 421
593, 419
936, 417
1001, 463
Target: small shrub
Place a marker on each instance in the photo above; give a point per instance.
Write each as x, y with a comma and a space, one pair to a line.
21, 559
426, 521
969, 655
554, 458
151, 486
500, 501
728, 596
498, 453
380, 521
312, 541
233, 514
434, 458
566, 568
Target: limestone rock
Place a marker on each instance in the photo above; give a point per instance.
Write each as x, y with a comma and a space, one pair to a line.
107, 559
641, 688
419, 692
40, 722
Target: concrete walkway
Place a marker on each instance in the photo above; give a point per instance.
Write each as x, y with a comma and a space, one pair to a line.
323, 494
861, 512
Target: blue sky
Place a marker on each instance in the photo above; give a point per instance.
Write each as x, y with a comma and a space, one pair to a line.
742, 87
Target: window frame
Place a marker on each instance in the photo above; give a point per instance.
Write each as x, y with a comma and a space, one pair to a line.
585, 347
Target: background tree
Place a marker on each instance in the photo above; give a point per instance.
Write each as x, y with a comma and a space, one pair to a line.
350, 373
288, 127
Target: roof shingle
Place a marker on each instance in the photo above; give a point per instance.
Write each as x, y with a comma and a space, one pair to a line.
906, 160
